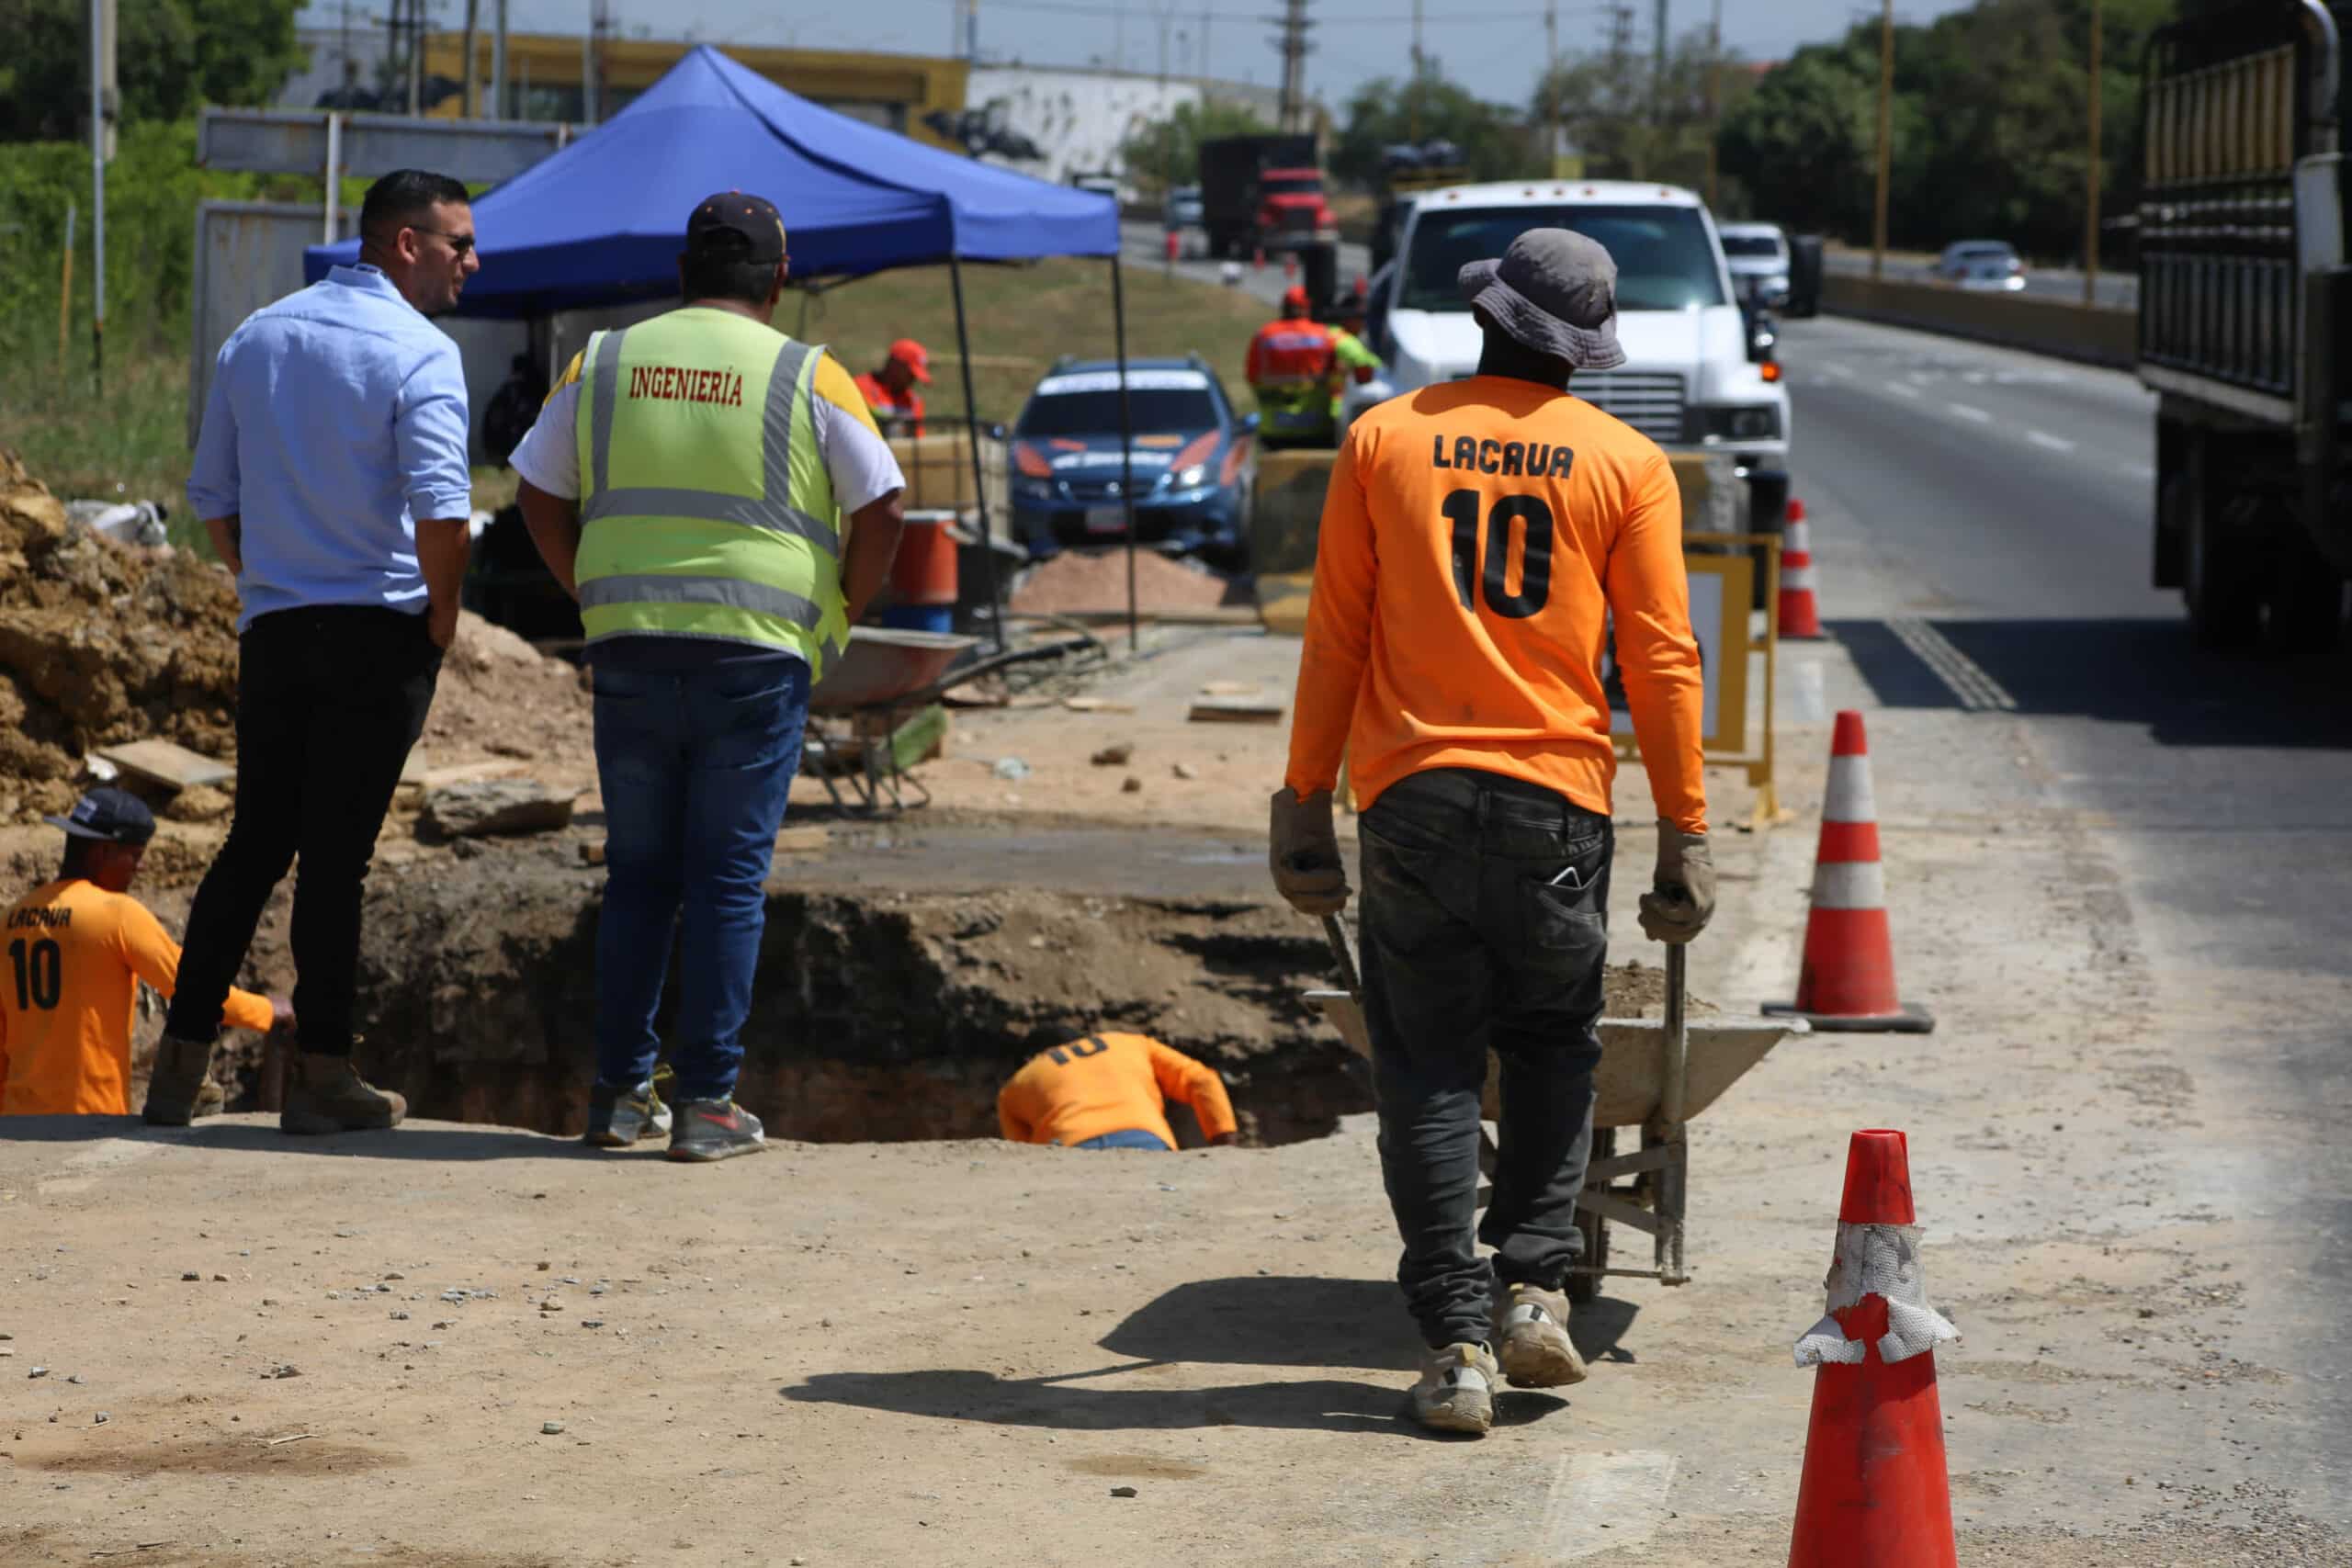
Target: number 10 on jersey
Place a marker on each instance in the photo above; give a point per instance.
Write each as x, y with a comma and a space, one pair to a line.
1535, 516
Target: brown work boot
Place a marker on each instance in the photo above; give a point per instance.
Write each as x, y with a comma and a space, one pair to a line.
181, 1089
1532, 1339
327, 1095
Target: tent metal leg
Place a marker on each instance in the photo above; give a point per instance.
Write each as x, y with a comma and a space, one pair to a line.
1126, 445
979, 475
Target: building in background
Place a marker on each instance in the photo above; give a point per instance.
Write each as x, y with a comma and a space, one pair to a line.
1080, 117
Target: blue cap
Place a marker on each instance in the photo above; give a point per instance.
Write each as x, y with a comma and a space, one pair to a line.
113, 816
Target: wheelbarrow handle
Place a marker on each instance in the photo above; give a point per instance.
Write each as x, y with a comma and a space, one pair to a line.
1337, 934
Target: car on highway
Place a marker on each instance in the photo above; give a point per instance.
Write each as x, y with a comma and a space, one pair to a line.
1697, 374
1192, 460
1981, 263
1182, 209
1757, 254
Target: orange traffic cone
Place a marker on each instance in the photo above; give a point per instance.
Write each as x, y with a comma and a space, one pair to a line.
1847, 982
1258, 258
1800, 612
1875, 1493
1289, 267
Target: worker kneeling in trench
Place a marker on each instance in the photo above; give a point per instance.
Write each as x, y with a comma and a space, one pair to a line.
1110, 1092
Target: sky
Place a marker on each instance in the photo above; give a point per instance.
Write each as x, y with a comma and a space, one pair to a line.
1495, 47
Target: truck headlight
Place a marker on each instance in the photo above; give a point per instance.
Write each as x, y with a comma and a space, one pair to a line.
1777, 284
1758, 421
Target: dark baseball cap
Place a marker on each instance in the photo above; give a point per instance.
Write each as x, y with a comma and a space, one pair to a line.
115, 816
738, 226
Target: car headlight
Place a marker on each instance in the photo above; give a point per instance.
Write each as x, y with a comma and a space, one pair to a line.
1757, 421
1198, 473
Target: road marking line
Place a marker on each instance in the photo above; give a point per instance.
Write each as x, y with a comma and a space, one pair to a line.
1901, 390
1835, 368
1966, 678
2055, 443
1604, 1503
1977, 415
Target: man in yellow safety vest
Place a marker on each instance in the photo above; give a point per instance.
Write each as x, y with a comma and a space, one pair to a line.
718, 498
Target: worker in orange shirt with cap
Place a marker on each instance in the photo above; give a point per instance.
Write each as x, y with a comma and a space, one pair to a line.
890, 388
77, 949
1478, 537
1293, 368
1109, 1091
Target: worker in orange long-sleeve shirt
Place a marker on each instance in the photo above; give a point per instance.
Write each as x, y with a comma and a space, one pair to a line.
77, 949
1478, 537
1109, 1091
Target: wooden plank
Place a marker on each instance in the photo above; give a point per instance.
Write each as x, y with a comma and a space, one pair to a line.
804, 840
1096, 704
167, 763
1236, 710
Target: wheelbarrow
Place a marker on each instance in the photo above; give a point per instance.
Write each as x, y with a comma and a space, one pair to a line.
1654, 1075
883, 672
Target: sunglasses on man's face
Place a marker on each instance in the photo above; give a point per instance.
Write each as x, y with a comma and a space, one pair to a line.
458, 243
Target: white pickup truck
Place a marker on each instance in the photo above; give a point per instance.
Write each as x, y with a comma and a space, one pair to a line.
1694, 379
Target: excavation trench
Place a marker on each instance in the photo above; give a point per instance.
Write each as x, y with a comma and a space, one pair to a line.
881, 1011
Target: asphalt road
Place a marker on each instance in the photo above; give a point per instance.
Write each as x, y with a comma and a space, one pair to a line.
2120, 290
1981, 520
1145, 244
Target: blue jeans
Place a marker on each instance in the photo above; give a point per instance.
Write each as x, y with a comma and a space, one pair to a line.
1127, 1138
696, 766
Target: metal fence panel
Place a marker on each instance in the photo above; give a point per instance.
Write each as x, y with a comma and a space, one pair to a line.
247, 253
284, 142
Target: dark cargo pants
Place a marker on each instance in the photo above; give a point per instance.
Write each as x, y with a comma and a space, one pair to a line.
1485, 922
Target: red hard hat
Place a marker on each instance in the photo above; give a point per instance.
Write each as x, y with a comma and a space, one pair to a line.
1295, 297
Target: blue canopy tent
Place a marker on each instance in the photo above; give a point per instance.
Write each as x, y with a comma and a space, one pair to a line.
601, 223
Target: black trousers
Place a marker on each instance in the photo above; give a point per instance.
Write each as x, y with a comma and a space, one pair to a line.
329, 702
1484, 920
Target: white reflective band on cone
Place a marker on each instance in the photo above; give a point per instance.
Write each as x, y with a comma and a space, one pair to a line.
1797, 578
1850, 885
1798, 540
1876, 1260
1849, 798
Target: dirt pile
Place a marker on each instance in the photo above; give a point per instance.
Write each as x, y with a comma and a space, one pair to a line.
498, 696
100, 642
1080, 581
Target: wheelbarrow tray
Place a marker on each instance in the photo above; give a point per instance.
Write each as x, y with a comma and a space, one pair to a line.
1630, 1082
882, 664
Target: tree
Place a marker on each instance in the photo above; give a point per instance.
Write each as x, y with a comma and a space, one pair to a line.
1386, 113
172, 56
1631, 124
1804, 144
1168, 152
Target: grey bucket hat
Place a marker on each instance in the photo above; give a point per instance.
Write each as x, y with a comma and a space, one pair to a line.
1555, 291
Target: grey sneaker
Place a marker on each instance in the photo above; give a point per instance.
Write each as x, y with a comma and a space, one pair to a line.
618, 1117
181, 1087
1532, 1339
329, 1096
1456, 1393
714, 1129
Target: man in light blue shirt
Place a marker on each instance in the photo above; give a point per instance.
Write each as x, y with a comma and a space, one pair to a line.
331, 474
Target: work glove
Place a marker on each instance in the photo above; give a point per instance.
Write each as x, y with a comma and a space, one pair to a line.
1682, 894
1303, 852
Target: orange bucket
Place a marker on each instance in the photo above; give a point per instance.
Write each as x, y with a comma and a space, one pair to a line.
924, 569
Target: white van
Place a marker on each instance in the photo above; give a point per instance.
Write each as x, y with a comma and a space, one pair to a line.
1690, 379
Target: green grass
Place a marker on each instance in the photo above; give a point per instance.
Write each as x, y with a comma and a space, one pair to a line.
132, 442
1021, 318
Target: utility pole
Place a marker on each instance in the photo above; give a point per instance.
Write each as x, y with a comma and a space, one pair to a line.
1886, 136
1657, 67
1715, 104
498, 65
473, 19
972, 32
2095, 177
1163, 48
1552, 89
415, 58
103, 106
1293, 47
1413, 97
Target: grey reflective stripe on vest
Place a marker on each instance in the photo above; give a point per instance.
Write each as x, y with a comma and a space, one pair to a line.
770, 512
600, 416
730, 593
712, 506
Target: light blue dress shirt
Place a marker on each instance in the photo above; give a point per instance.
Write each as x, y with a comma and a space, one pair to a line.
337, 419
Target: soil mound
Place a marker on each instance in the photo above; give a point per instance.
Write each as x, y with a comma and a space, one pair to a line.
100, 642
1082, 581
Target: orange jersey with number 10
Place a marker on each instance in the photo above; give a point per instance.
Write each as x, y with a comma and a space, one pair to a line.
1475, 539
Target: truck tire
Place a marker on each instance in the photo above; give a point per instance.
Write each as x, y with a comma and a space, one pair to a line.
2221, 577
2306, 603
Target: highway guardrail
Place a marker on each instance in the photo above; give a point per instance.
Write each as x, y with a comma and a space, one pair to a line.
2094, 335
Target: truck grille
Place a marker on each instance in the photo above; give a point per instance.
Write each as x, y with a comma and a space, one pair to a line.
1649, 401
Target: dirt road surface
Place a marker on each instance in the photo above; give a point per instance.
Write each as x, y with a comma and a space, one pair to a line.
2123, 1132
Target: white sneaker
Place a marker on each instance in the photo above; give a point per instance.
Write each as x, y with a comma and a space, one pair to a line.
1456, 1393
1532, 1336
